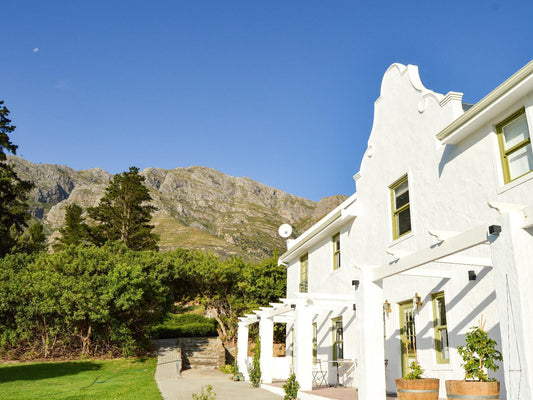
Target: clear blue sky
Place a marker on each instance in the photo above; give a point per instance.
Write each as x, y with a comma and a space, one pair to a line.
281, 91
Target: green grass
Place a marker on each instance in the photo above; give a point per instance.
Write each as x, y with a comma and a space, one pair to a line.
123, 379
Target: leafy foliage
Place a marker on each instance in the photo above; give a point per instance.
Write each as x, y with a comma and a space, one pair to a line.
291, 387
13, 191
75, 231
415, 371
207, 393
123, 214
185, 325
230, 288
479, 355
255, 372
85, 300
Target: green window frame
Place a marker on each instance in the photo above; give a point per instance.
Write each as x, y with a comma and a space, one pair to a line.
401, 211
304, 274
338, 339
514, 141
442, 349
407, 335
315, 341
336, 239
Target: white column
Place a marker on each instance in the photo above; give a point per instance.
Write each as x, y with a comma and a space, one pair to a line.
303, 342
242, 350
512, 257
266, 334
371, 354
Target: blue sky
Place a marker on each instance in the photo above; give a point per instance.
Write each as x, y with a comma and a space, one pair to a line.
281, 91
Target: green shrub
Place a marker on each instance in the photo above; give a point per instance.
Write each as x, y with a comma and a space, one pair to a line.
291, 388
479, 354
207, 395
185, 325
415, 371
255, 372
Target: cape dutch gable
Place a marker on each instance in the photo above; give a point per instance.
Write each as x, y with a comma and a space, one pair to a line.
439, 232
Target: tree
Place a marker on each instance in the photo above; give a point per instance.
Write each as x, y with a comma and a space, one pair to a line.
75, 231
33, 240
123, 214
13, 191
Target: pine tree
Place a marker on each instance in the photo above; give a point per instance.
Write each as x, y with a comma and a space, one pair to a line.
75, 231
13, 191
123, 214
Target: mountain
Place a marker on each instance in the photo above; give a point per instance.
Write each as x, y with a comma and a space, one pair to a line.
197, 207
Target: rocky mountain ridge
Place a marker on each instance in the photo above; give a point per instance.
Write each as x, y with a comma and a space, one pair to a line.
197, 207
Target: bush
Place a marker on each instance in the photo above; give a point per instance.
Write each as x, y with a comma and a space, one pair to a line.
84, 300
479, 354
185, 325
291, 388
208, 394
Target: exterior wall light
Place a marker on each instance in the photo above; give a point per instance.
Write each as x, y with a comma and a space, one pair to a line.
417, 302
355, 283
387, 308
495, 229
472, 275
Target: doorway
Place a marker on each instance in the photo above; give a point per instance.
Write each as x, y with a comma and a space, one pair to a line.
407, 335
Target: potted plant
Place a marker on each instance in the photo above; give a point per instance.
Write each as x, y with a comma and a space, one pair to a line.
479, 355
413, 386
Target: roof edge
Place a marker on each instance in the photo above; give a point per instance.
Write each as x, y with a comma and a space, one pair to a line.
486, 101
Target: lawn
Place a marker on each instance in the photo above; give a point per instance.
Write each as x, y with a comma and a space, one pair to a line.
122, 379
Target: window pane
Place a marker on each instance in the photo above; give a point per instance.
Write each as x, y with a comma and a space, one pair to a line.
401, 193
515, 132
445, 353
403, 222
520, 161
441, 312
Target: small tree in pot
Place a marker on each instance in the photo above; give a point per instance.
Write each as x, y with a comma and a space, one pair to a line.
479, 355
413, 386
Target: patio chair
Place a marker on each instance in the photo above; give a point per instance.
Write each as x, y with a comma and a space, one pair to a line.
319, 375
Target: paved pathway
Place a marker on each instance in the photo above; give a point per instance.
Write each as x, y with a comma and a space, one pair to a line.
174, 387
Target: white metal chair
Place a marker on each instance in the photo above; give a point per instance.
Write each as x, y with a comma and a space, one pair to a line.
319, 375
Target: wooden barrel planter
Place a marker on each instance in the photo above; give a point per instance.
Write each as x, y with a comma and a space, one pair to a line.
417, 389
470, 390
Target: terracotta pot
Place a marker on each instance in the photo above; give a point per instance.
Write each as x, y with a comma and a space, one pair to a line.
417, 389
473, 390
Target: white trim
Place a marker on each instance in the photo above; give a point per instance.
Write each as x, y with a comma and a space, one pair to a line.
437, 251
323, 228
517, 86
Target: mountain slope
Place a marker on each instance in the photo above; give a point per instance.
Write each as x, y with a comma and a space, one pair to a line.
197, 207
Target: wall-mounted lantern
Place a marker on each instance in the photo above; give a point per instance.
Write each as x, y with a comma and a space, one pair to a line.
387, 308
417, 302
472, 275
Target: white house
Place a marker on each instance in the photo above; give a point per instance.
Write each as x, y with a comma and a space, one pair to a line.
439, 232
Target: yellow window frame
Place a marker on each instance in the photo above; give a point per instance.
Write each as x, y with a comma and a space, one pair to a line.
396, 212
438, 329
504, 154
336, 251
304, 274
315, 341
335, 342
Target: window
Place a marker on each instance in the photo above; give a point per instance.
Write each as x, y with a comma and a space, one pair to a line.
304, 274
515, 146
407, 335
401, 213
337, 251
315, 341
338, 341
441, 329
